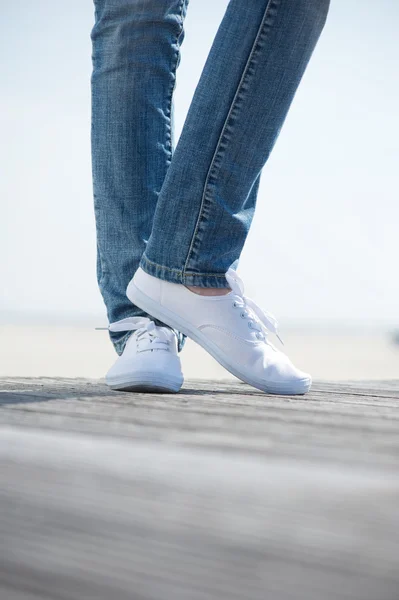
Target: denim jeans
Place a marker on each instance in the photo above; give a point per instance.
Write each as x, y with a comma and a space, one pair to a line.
183, 213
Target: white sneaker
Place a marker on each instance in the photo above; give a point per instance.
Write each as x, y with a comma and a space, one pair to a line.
149, 362
232, 328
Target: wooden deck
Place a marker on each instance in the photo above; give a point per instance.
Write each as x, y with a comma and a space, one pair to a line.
219, 492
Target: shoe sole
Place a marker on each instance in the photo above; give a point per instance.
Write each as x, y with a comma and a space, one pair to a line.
145, 383
146, 303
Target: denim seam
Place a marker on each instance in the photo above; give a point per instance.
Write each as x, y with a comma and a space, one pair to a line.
121, 343
94, 58
205, 199
101, 266
180, 11
180, 271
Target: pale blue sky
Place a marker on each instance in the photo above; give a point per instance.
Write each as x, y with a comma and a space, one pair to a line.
324, 242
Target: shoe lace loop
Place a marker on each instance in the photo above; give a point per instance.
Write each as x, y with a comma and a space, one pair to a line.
262, 320
144, 328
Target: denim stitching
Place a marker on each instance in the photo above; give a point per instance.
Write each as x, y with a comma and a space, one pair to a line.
100, 258
179, 271
221, 143
180, 10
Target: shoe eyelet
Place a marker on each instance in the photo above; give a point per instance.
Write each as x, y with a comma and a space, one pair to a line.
242, 315
234, 304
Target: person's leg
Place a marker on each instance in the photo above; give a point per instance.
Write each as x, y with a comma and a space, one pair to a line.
207, 201
135, 56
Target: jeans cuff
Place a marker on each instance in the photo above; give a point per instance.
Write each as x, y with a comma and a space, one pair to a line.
119, 342
206, 280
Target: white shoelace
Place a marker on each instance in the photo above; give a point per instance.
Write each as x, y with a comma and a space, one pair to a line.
262, 321
144, 328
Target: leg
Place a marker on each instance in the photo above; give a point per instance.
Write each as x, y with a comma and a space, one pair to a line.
135, 55
207, 201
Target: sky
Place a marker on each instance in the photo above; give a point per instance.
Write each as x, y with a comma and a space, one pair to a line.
324, 241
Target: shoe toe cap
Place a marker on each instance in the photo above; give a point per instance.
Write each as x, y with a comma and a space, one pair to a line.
282, 373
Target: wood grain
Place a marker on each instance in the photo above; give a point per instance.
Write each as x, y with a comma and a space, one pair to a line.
218, 492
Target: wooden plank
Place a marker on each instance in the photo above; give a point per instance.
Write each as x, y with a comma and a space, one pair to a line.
217, 492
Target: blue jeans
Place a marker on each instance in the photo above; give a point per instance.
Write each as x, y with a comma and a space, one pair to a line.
183, 213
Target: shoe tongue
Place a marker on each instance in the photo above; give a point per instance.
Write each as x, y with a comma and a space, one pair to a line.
164, 328
235, 282
163, 331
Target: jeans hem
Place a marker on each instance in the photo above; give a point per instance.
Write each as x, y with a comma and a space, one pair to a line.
119, 345
206, 280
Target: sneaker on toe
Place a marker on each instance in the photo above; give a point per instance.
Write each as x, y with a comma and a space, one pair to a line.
232, 328
149, 362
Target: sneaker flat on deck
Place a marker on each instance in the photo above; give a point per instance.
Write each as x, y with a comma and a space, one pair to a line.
149, 362
232, 328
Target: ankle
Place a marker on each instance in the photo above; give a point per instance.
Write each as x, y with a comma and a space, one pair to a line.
201, 291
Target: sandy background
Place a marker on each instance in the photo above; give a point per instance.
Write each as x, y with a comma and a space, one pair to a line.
78, 350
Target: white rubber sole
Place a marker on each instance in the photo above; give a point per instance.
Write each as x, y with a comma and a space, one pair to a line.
153, 308
146, 383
